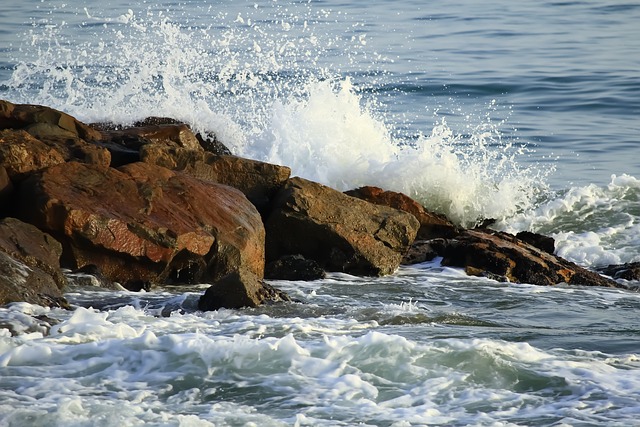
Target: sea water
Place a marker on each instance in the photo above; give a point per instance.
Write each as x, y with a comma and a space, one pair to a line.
526, 112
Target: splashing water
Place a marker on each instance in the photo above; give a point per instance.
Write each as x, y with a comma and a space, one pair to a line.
273, 85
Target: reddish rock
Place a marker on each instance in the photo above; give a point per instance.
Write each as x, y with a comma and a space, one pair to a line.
502, 255
258, 181
238, 290
340, 232
432, 225
145, 223
29, 265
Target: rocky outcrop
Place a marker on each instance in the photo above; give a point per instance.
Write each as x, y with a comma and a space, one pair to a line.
340, 232
502, 256
145, 223
237, 290
258, 181
432, 225
29, 265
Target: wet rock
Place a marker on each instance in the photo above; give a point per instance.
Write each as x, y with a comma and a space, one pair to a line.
293, 267
144, 223
29, 265
90, 276
6, 191
629, 271
340, 232
502, 255
259, 181
432, 225
544, 243
421, 251
238, 290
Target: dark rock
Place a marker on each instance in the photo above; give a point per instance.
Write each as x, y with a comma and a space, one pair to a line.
544, 243
29, 265
258, 181
238, 290
496, 254
420, 251
629, 271
340, 232
144, 223
293, 267
6, 191
432, 225
91, 276
212, 145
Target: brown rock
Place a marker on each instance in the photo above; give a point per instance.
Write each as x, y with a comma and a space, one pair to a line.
544, 243
21, 154
30, 265
19, 116
6, 190
258, 181
238, 290
145, 223
340, 232
432, 225
496, 254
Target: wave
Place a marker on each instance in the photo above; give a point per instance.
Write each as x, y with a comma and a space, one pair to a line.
274, 84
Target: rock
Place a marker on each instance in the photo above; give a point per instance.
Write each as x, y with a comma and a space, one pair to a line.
90, 276
21, 154
432, 225
19, 116
421, 251
293, 267
6, 191
258, 181
238, 290
21, 283
502, 255
143, 223
544, 243
340, 232
66, 135
29, 265
629, 271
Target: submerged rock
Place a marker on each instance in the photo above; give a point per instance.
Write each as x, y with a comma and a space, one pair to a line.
340, 232
145, 223
238, 290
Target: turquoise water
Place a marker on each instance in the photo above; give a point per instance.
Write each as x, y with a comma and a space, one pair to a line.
521, 111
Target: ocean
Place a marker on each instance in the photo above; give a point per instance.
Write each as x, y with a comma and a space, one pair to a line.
525, 112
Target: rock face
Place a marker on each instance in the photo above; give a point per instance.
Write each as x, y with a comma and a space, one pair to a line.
432, 225
502, 256
258, 181
29, 265
237, 290
145, 223
340, 232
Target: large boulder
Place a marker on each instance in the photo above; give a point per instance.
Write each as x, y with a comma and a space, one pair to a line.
502, 256
29, 265
259, 181
340, 232
432, 225
144, 223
